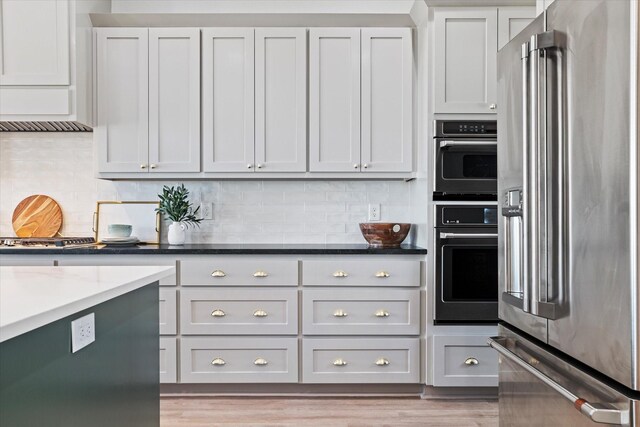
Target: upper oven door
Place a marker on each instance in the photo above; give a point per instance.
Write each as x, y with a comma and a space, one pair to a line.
466, 166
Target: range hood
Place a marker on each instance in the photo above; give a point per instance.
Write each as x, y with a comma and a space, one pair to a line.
46, 65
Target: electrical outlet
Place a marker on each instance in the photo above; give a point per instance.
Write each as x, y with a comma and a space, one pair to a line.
206, 210
83, 332
374, 212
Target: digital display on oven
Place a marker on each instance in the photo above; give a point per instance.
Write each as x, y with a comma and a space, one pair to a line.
491, 216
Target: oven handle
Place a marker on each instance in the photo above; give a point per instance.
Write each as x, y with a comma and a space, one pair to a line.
468, 235
449, 143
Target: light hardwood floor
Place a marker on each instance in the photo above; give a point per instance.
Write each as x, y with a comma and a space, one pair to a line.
322, 411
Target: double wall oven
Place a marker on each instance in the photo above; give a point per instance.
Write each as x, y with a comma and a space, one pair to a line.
466, 235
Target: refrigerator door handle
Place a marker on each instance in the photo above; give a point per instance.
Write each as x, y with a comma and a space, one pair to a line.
595, 411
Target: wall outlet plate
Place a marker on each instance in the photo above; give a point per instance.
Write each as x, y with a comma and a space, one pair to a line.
83, 332
206, 210
374, 212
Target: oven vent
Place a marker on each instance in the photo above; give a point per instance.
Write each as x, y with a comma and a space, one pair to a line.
48, 126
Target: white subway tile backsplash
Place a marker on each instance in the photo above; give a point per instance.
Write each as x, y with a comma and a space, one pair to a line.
282, 211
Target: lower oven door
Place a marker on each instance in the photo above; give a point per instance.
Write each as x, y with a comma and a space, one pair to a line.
466, 166
466, 276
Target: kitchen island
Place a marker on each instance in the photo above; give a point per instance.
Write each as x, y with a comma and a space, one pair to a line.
113, 380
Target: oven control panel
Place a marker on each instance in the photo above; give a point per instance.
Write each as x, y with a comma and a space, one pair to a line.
467, 215
478, 128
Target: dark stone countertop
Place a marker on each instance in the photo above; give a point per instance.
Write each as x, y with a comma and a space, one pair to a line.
221, 249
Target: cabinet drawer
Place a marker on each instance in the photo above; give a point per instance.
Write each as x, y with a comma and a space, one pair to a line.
251, 271
381, 271
361, 312
464, 361
380, 360
168, 360
228, 311
238, 360
168, 311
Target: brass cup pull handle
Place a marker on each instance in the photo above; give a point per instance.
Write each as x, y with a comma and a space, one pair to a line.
339, 362
340, 273
471, 361
218, 362
340, 313
382, 362
260, 313
218, 273
260, 273
218, 313
260, 362
382, 274
382, 313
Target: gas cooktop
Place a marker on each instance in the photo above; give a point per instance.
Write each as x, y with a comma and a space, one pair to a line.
45, 242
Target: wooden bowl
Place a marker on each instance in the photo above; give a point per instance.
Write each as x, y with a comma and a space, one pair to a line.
384, 234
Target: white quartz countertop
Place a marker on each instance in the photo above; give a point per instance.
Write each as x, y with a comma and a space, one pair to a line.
31, 297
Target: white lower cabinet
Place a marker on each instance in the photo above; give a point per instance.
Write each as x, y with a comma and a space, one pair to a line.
464, 361
361, 360
238, 360
168, 321
168, 360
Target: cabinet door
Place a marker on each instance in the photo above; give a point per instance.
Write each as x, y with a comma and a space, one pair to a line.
386, 100
281, 96
334, 99
34, 42
122, 112
174, 100
465, 60
512, 20
227, 99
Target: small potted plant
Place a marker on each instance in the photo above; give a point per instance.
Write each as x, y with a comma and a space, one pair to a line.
175, 206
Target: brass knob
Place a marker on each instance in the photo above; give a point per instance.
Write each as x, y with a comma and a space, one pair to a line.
382, 313
340, 362
365, 166
471, 361
382, 274
260, 273
260, 362
218, 362
218, 273
260, 313
143, 166
340, 313
340, 273
493, 106
249, 166
218, 313
259, 166
153, 166
356, 166
382, 362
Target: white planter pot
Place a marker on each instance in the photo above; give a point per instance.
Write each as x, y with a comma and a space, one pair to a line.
177, 235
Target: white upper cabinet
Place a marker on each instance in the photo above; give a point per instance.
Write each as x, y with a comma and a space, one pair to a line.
122, 111
228, 99
334, 99
465, 60
174, 100
360, 88
34, 42
466, 41
386, 123
280, 100
148, 100
512, 20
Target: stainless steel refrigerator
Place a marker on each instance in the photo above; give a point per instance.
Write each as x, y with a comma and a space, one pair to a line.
569, 343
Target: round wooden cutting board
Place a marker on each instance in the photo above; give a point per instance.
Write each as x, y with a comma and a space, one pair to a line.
37, 216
